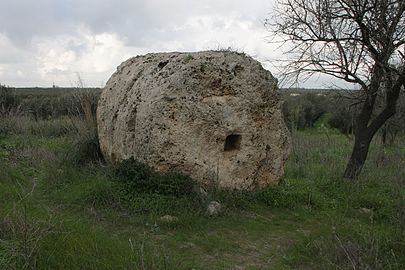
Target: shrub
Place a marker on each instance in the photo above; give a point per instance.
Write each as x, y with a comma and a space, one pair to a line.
396, 124
137, 177
85, 144
9, 103
25, 125
301, 110
342, 114
45, 104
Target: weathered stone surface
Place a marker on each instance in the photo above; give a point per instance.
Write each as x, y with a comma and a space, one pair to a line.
213, 115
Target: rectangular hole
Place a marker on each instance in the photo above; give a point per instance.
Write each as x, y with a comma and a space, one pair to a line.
232, 142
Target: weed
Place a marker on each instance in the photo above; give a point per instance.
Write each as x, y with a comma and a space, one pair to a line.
21, 236
9, 102
354, 249
86, 147
26, 125
188, 58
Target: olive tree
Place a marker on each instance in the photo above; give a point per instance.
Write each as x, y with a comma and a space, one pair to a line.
358, 41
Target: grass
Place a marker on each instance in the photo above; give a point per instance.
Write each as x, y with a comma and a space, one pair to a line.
58, 214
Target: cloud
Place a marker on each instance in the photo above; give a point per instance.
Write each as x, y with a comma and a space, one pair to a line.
24, 19
9, 54
91, 55
51, 41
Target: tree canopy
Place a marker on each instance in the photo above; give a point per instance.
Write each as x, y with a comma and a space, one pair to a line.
359, 41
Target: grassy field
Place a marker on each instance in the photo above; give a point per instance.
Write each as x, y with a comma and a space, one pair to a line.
60, 208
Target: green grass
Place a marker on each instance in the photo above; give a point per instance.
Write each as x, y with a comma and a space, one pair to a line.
55, 214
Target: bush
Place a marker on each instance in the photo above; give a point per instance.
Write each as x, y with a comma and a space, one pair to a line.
85, 144
137, 177
342, 114
25, 125
301, 110
396, 124
9, 102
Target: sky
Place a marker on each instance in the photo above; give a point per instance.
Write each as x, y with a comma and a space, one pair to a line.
46, 42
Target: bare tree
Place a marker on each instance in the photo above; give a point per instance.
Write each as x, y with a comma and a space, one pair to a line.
358, 41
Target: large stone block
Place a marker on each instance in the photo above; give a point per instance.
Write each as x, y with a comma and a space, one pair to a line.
213, 115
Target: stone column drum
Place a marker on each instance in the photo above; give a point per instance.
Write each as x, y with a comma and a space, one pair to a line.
215, 115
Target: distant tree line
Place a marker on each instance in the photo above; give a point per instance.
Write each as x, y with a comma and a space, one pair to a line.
45, 103
303, 109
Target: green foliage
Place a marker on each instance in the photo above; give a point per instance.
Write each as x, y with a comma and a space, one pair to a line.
137, 177
343, 114
21, 234
49, 103
8, 100
66, 103
396, 124
107, 220
21, 124
85, 144
21, 239
188, 58
290, 198
351, 246
86, 214
301, 110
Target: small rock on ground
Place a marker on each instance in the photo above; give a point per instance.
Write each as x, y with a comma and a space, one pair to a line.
214, 208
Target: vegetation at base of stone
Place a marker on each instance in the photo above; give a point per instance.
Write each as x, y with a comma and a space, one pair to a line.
86, 146
137, 177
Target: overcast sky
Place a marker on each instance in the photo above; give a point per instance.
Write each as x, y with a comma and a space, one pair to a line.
50, 41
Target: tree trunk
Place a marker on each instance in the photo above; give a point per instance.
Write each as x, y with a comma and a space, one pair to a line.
358, 157
365, 133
